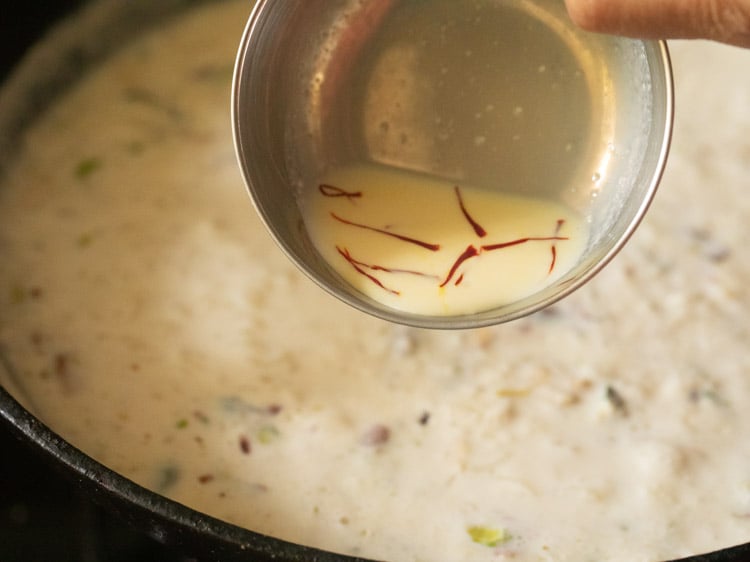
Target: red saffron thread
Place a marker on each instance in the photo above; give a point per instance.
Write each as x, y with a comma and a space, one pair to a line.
553, 247
553, 251
501, 245
375, 267
481, 232
347, 256
468, 253
427, 245
471, 252
333, 191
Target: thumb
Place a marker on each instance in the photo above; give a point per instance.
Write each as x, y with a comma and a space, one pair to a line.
727, 21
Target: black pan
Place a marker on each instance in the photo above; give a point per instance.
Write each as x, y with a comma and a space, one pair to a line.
198, 536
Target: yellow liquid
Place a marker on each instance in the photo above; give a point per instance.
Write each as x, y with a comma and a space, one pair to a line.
427, 246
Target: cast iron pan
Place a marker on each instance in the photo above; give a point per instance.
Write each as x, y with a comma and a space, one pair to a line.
199, 536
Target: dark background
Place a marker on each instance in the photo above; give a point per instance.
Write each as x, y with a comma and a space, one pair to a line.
24, 22
44, 518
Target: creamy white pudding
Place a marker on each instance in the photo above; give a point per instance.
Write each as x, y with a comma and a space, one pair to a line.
153, 323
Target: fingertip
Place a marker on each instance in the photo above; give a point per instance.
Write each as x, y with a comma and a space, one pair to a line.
587, 14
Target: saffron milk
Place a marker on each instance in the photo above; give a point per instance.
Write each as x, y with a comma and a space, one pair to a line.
428, 246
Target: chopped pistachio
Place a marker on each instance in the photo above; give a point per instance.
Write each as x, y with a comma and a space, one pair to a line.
182, 424
488, 536
18, 294
237, 405
268, 434
233, 404
85, 240
87, 167
709, 394
168, 477
148, 98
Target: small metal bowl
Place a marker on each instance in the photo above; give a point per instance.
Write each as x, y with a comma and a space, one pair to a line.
316, 83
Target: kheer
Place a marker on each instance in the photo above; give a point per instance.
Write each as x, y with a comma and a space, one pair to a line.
153, 324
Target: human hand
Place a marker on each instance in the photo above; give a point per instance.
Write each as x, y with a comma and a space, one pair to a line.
727, 21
